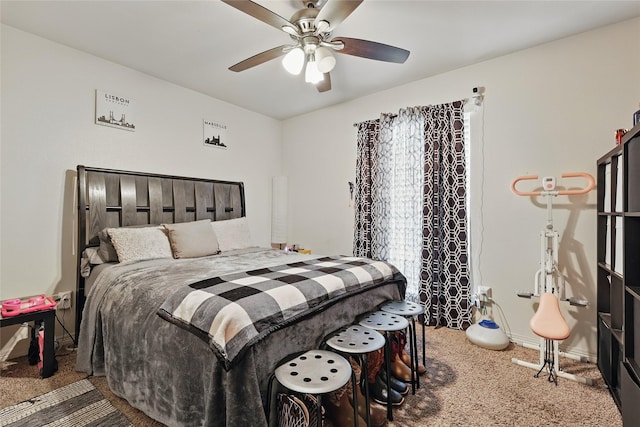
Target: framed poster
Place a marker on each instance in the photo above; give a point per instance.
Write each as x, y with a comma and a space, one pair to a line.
214, 134
114, 110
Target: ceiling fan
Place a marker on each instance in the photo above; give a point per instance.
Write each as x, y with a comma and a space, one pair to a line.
311, 31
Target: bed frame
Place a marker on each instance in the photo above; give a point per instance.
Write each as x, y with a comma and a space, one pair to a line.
114, 198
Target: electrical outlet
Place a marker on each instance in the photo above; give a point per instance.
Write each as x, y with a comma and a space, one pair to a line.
64, 300
486, 290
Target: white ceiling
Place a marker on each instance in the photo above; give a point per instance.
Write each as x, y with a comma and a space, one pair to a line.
192, 43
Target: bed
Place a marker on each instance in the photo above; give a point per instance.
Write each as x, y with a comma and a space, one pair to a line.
188, 338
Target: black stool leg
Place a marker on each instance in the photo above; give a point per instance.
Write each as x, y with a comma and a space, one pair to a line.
413, 358
424, 354
354, 391
387, 362
415, 349
365, 374
319, 409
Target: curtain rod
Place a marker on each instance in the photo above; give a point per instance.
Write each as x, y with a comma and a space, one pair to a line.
478, 96
370, 120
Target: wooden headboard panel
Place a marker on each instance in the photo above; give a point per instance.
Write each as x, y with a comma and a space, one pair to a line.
114, 198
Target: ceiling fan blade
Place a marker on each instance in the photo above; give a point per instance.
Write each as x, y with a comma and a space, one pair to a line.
336, 11
372, 50
260, 12
325, 84
260, 58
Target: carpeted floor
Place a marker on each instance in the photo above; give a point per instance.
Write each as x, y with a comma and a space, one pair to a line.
465, 386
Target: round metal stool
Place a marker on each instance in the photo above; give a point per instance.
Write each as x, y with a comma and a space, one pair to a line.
314, 372
385, 322
410, 310
358, 340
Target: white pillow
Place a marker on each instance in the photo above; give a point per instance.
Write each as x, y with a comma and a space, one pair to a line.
232, 234
138, 244
192, 239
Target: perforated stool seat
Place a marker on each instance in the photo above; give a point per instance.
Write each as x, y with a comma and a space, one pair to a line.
314, 372
385, 322
403, 308
410, 310
358, 340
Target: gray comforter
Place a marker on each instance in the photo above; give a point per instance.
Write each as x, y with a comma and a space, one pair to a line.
174, 376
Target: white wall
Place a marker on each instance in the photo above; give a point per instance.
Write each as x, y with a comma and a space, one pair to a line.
548, 110
48, 99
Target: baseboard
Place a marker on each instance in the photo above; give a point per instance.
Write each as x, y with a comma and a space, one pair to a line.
579, 354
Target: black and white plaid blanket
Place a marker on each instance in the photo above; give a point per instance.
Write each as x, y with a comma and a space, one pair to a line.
232, 312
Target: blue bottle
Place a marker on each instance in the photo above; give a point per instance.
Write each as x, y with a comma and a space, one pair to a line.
636, 117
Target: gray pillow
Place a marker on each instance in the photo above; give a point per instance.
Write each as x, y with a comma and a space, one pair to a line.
192, 239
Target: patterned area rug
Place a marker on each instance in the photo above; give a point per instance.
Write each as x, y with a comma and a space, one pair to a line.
78, 404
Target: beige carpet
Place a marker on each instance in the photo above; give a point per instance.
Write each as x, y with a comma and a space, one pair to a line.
465, 386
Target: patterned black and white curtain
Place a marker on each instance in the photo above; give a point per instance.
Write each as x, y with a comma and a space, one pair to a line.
368, 135
410, 205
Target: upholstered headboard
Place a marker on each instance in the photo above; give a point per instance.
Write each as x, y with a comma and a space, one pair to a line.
114, 198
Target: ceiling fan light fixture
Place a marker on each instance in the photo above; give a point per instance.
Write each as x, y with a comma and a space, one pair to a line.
322, 26
312, 74
294, 61
324, 59
290, 30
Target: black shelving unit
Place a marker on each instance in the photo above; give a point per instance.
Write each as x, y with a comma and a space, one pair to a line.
618, 276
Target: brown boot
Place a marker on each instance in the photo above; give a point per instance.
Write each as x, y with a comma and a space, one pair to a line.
407, 360
377, 414
340, 412
400, 370
380, 412
375, 359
